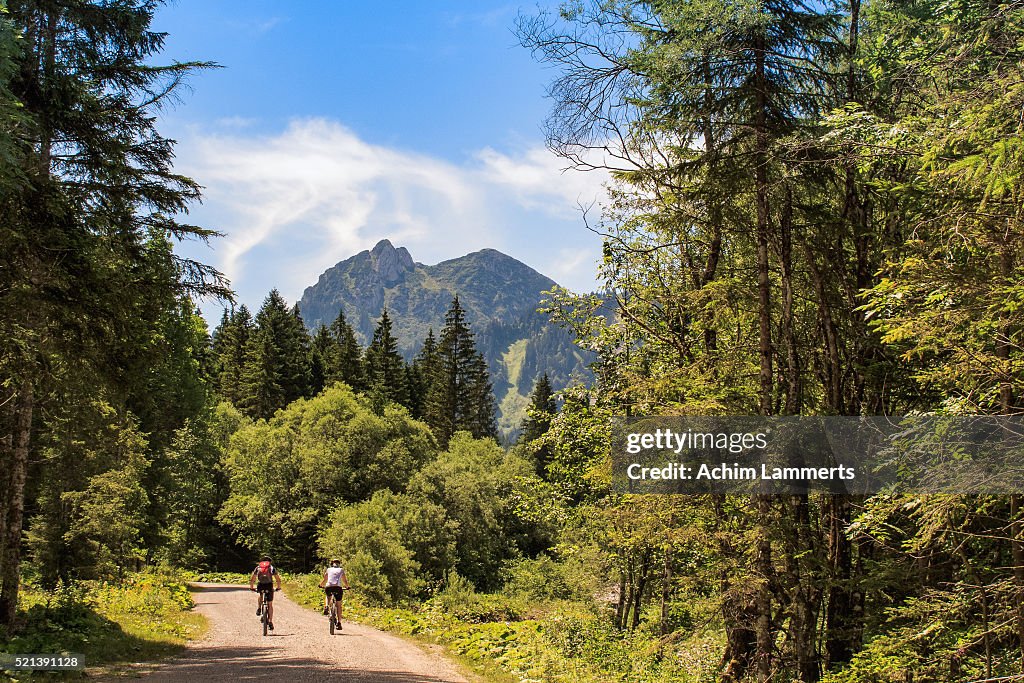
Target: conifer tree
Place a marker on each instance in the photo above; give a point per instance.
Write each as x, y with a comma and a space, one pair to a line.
90, 202
230, 341
482, 405
416, 385
323, 357
459, 395
260, 392
348, 366
420, 373
276, 368
385, 368
542, 409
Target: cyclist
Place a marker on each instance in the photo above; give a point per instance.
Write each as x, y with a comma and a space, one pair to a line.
262, 581
333, 582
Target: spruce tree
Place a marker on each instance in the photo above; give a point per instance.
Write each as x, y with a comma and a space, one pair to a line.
385, 368
276, 368
90, 204
420, 373
459, 395
482, 407
542, 409
323, 357
348, 366
230, 341
260, 392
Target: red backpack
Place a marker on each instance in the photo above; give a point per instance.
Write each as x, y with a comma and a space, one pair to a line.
263, 572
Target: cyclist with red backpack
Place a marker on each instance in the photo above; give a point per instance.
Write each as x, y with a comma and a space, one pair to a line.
262, 581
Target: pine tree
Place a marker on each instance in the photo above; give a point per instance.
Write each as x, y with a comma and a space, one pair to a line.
459, 395
385, 368
348, 366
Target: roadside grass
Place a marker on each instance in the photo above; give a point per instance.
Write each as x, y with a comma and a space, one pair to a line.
146, 617
509, 638
215, 577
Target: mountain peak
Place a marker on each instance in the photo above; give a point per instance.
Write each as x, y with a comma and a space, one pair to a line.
391, 264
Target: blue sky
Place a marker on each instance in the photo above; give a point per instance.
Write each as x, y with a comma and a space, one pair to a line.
335, 124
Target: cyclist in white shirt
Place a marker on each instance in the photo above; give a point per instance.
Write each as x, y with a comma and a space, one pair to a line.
333, 582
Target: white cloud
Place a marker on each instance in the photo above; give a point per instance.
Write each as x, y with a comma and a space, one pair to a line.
295, 203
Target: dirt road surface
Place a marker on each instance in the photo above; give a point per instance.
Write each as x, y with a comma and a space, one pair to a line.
299, 649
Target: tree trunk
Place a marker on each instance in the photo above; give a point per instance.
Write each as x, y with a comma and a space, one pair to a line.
763, 629
842, 625
1017, 549
792, 404
666, 578
803, 581
11, 573
620, 608
7, 422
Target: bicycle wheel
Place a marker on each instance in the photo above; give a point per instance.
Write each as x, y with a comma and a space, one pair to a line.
265, 618
332, 613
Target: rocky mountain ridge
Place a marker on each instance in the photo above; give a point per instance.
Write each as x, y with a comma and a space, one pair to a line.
499, 293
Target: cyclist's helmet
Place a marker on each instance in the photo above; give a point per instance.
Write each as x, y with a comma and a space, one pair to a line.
265, 558
335, 562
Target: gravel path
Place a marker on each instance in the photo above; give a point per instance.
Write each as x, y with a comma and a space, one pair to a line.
300, 649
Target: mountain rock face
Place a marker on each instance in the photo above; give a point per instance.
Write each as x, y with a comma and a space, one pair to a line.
500, 296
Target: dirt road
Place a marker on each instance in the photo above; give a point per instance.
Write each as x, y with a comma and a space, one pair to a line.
300, 649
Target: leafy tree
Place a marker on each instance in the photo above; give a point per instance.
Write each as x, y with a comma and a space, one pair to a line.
395, 545
287, 473
478, 484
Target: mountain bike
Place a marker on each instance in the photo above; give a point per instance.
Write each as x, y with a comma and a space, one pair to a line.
265, 608
333, 616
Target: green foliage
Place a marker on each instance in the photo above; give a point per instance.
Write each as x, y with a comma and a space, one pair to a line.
542, 579
478, 485
391, 545
459, 394
145, 616
196, 488
385, 369
287, 474
93, 507
276, 368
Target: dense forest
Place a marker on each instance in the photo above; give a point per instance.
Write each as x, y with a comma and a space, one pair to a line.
816, 209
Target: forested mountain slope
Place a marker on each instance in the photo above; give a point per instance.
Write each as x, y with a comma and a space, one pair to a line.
500, 296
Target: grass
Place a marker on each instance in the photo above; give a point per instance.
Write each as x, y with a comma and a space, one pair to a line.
304, 590
113, 625
217, 577
505, 638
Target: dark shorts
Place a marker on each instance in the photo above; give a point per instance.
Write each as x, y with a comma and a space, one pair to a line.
336, 591
267, 589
